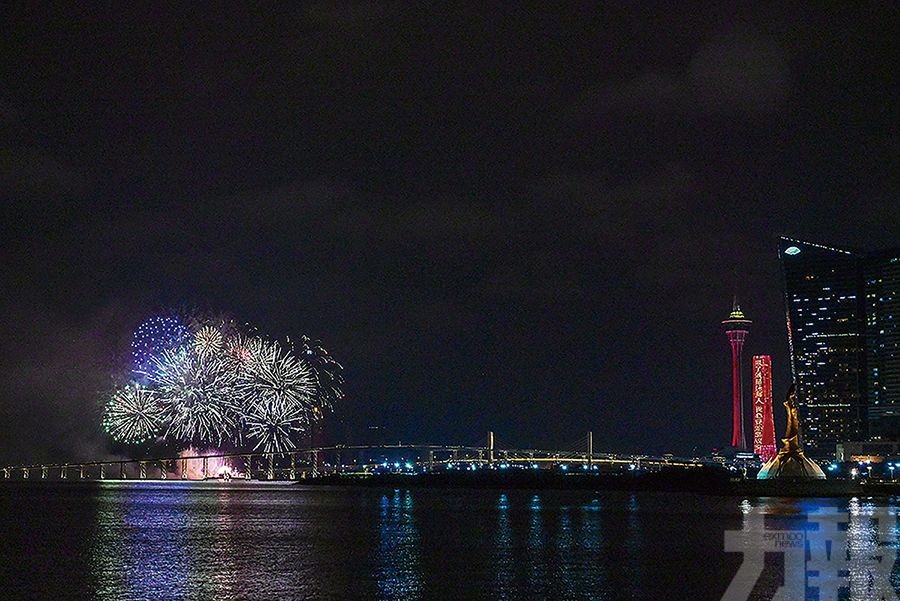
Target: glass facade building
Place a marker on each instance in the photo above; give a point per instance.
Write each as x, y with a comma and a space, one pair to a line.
826, 335
882, 304
842, 312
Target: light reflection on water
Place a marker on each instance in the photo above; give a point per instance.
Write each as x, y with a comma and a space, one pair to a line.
184, 541
503, 557
844, 546
398, 571
537, 555
130, 559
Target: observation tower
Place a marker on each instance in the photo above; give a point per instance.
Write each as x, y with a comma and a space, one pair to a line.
736, 328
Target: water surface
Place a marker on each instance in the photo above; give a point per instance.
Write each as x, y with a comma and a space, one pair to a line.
121, 541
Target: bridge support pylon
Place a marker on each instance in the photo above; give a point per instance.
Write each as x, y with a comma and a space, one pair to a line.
313, 461
44, 470
102, 471
143, 470
63, 472
491, 448
590, 450
184, 469
248, 467
270, 473
293, 467
163, 472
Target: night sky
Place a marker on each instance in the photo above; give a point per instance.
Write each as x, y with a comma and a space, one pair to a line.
525, 218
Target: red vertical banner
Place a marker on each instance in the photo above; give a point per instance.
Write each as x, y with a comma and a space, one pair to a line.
763, 422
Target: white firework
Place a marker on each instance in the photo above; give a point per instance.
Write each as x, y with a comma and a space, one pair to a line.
327, 373
277, 392
196, 395
209, 342
272, 426
240, 350
132, 415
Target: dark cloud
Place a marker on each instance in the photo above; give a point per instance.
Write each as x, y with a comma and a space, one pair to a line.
28, 173
732, 74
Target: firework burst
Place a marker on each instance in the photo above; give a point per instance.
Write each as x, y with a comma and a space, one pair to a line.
154, 336
197, 396
132, 415
275, 376
209, 342
277, 391
272, 426
327, 373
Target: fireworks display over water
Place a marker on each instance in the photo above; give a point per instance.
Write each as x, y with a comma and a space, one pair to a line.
204, 381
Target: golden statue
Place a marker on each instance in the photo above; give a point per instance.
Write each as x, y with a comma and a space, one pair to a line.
790, 462
791, 438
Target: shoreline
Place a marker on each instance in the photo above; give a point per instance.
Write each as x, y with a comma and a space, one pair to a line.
712, 482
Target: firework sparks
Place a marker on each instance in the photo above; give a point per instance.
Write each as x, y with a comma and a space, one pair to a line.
208, 342
153, 337
132, 415
275, 376
197, 396
278, 391
272, 425
327, 373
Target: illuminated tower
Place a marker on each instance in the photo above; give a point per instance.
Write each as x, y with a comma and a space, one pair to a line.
736, 328
763, 423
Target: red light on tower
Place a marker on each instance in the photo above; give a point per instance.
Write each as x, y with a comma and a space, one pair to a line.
763, 423
736, 328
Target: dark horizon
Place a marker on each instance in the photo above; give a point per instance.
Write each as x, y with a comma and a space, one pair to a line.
519, 220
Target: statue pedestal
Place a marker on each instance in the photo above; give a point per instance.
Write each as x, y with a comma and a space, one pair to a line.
790, 462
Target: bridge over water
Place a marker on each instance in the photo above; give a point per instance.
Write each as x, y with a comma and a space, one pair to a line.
316, 461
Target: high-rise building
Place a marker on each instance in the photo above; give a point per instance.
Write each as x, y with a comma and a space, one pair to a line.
881, 272
763, 422
843, 323
825, 324
737, 326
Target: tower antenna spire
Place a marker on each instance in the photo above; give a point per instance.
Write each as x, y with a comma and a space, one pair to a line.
735, 306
